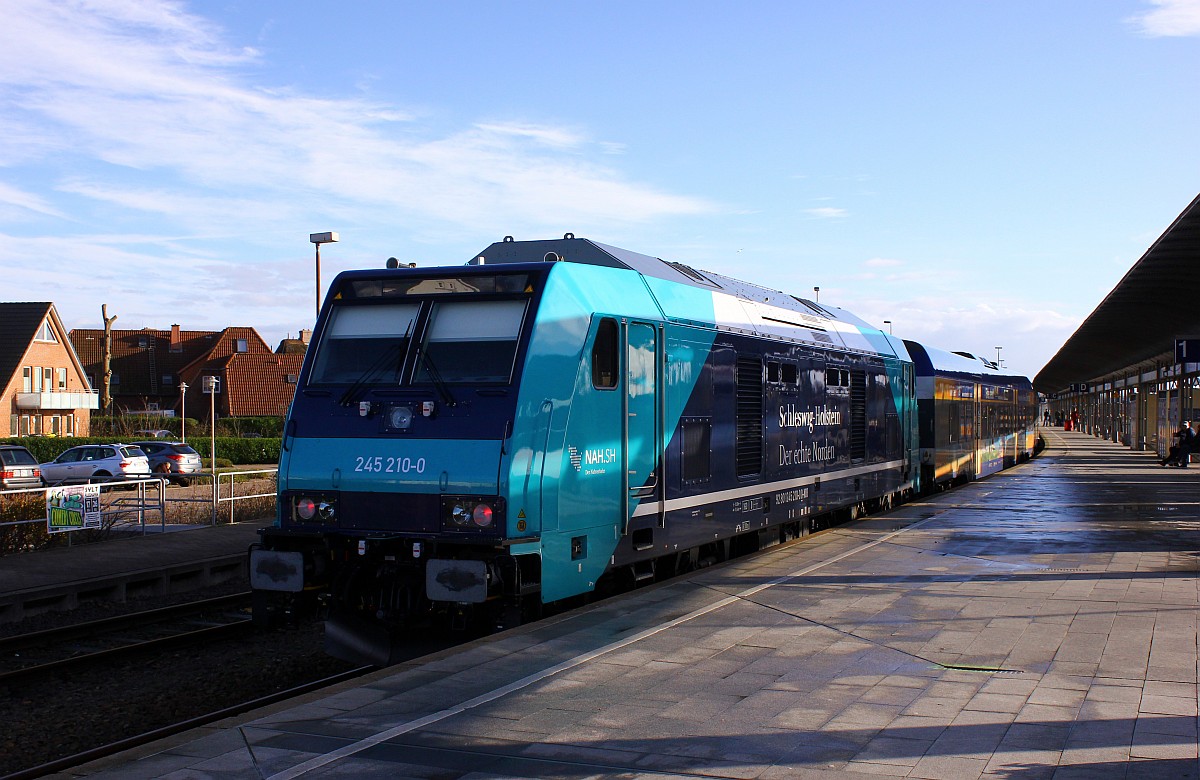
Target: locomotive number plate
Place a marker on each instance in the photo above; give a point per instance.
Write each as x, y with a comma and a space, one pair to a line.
377, 464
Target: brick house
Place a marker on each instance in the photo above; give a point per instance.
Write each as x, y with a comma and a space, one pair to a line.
150, 366
45, 386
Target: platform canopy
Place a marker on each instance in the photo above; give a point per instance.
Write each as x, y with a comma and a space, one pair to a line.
1135, 327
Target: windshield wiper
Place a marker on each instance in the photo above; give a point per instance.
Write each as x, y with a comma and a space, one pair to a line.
394, 353
443, 389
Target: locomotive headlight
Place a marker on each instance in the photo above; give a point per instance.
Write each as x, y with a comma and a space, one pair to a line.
399, 418
460, 515
306, 508
473, 514
314, 508
482, 515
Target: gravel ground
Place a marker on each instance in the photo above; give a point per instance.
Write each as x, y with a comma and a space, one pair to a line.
69, 712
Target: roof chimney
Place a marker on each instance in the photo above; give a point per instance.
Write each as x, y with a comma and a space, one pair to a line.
176, 339
305, 336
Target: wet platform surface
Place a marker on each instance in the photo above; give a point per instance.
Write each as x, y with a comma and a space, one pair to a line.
1039, 624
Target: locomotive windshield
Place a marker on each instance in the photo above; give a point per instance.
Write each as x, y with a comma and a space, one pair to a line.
365, 344
381, 335
470, 341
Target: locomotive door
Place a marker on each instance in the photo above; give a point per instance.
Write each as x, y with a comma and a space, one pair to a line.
642, 423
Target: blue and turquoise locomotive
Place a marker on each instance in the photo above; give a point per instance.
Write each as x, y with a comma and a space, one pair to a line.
469, 443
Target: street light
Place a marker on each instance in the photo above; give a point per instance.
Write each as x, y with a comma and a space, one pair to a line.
212, 386
183, 386
317, 239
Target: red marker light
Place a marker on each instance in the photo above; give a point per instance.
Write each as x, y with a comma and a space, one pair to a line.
306, 508
482, 515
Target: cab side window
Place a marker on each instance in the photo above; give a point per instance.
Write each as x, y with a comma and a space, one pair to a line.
606, 355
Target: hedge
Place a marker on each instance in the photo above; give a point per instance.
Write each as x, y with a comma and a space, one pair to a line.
240, 452
124, 426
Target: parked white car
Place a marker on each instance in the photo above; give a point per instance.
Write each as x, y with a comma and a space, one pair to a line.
96, 463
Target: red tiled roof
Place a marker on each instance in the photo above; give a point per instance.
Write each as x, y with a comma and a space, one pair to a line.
141, 358
258, 384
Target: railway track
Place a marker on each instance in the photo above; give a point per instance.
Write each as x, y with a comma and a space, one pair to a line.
128, 743
29, 655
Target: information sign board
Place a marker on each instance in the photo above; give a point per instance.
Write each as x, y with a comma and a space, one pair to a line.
72, 508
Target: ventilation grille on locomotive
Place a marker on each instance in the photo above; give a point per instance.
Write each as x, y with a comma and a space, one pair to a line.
749, 416
858, 415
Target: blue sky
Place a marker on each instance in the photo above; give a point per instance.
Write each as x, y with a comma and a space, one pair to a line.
980, 174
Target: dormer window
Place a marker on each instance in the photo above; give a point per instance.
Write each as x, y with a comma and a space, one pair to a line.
241, 345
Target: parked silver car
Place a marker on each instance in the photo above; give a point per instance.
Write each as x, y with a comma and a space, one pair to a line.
96, 463
172, 458
18, 468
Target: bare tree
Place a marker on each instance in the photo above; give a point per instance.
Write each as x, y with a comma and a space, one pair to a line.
106, 383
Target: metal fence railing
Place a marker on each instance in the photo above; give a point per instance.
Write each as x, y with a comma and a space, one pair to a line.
143, 505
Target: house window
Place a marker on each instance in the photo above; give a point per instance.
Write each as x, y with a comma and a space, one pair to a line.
62, 378
37, 379
291, 379
168, 379
241, 345
27, 379
56, 425
46, 333
13, 422
143, 342
48, 379
115, 379
70, 428
23, 428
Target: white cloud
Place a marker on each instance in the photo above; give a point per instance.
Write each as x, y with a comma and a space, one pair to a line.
1032, 331
1170, 18
155, 99
12, 196
827, 212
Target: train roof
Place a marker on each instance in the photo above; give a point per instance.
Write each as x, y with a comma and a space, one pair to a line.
584, 250
930, 360
766, 312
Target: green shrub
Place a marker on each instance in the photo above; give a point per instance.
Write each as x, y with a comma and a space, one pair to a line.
241, 452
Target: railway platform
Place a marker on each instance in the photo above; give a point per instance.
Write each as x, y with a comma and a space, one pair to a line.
1039, 624
153, 564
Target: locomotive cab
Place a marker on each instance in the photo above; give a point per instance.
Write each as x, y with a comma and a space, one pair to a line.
389, 498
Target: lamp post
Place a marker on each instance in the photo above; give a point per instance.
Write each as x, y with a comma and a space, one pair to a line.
212, 386
317, 239
183, 386
889, 324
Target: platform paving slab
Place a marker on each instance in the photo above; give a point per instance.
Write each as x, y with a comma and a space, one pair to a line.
1041, 623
